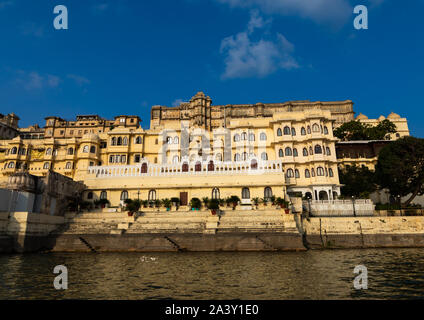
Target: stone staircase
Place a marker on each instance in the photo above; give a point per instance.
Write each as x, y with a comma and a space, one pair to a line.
117, 223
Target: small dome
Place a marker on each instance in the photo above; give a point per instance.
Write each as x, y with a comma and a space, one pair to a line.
361, 117
393, 116
381, 118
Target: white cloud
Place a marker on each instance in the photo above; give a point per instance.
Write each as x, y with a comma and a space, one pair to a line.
4, 4
79, 80
245, 57
32, 29
35, 81
177, 102
321, 11
98, 8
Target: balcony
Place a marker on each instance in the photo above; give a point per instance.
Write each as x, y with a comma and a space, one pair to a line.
198, 168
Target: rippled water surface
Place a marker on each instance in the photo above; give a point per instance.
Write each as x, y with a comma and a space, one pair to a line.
392, 273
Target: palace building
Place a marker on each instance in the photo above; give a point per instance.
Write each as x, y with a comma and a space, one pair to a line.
193, 150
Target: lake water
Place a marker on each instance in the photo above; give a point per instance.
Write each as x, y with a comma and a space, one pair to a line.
392, 273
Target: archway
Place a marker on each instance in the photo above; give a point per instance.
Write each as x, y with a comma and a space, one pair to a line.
323, 195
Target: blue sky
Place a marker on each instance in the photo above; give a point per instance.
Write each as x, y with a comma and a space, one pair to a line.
123, 56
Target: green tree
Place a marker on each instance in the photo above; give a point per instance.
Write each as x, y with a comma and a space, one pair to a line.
355, 130
357, 181
400, 167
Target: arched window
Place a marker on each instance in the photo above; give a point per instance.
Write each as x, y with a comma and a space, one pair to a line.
252, 137
290, 173
111, 159
68, 165
296, 173
237, 138
176, 159
330, 172
315, 128
90, 195
237, 157
198, 167
48, 152
176, 140
169, 140
307, 174
103, 195
125, 141
215, 193
119, 141
318, 149
264, 156
244, 156
113, 142
295, 154
281, 153
137, 158
138, 140
263, 136
313, 172
328, 151
244, 136
311, 152
279, 132
309, 130
144, 168
267, 193
124, 195
85, 149
303, 131
70, 151
46, 165
305, 152
245, 193
152, 195
93, 149
320, 171
286, 131
293, 131
288, 152
15, 150
325, 130
211, 166
185, 167
218, 157
123, 159
11, 165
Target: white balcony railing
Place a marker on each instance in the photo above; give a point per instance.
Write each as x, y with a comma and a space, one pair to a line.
146, 169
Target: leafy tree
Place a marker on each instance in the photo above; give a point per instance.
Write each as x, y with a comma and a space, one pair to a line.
357, 181
400, 167
355, 130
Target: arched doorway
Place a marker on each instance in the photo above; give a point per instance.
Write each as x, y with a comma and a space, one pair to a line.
323, 195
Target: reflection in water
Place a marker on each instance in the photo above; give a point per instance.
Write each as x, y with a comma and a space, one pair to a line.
392, 273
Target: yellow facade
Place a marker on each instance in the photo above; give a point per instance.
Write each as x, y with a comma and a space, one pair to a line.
194, 150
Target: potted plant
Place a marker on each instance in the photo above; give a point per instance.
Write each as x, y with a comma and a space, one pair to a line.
213, 205
167, 204
103, 203
234, 201
145, 203
195, 204
205, 201
228, 201
132, 206
272, 199
175, 202
157, 203
221, 202
256, 202
265, 201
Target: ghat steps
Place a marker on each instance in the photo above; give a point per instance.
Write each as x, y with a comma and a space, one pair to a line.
180, 222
